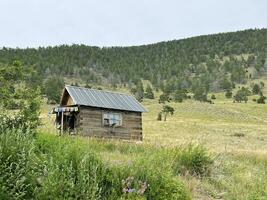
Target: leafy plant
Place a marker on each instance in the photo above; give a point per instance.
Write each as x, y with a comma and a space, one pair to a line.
53, 88
193, 159
228, 94
261, 99
166, 110
149, 93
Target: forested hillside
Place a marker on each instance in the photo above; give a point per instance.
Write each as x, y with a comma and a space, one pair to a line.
214, 62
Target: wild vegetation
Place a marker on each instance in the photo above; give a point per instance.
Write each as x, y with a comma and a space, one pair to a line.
48, 167
199, 64
191, 149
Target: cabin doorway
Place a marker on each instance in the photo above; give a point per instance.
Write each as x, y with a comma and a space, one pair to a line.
66, 119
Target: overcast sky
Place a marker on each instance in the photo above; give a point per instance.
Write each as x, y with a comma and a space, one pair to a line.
33, 23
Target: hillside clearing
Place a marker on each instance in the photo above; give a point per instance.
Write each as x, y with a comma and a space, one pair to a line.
235, 133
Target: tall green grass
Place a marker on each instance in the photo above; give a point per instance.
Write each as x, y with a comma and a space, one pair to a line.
194, 160
44, 166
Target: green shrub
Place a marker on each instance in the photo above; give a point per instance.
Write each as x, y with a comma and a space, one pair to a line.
193, 159
163, 98
261, 99
17, 164
256, 89
144, 180
159, 118
149, 93
49, 168
73, 173
228, 94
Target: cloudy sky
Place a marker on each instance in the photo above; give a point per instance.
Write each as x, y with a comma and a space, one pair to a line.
33, 23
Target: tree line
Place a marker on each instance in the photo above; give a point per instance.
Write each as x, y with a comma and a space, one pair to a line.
199, 65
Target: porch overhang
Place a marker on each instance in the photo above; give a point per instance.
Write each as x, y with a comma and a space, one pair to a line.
63, 109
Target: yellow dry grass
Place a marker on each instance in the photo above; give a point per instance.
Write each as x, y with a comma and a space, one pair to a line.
235, 132
223, 126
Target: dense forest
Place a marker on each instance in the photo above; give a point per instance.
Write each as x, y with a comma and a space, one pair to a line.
207, 63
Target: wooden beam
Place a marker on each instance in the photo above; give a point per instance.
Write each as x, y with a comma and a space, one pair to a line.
62, 122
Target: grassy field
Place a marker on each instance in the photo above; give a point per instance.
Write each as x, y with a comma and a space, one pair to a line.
234, 133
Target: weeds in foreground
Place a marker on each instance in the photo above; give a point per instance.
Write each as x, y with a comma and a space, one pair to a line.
49, 167
193, 159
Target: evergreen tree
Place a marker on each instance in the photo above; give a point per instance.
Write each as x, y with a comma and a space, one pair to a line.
15, 88
261, 99
226, 84
256, 89
133, 90
199, 90
214, 59
149, 92
179, 95
53, 89
163, 98
242, 95
139, 91
228, 94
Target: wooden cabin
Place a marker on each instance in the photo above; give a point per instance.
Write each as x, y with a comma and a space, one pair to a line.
97, 113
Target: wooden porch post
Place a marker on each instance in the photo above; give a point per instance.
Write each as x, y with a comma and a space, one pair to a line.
62, 121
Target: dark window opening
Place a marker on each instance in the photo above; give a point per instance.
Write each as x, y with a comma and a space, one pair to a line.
112, 119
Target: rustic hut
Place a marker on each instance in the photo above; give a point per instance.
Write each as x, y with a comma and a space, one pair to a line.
90, 112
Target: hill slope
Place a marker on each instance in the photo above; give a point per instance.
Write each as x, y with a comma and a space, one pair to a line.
202, 57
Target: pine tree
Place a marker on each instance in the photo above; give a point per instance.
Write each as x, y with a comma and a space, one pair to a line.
139, 91
228, 94
149, 92
256, 89
53, 89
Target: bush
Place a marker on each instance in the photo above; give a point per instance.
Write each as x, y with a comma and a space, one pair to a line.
242, 95
179, 95
261, 99
143, 180
44, 169
167, 110
16, 165
213, 96
17, 92
256, 89
194, 160
163, 98
228, 94
159, 118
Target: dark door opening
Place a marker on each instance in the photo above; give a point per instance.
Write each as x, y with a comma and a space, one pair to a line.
68, 121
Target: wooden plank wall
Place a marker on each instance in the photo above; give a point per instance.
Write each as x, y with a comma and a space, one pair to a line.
91, 124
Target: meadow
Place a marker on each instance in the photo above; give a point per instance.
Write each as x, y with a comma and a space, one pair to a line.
233, 135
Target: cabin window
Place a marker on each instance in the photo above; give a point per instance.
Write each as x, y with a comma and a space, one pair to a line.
112, 119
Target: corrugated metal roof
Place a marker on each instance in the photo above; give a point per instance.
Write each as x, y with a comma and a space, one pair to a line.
104, 99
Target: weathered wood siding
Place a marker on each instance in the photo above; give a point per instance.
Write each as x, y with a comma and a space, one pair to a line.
67, 100
91, 124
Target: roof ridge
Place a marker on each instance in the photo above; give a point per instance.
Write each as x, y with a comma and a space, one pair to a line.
107, 91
